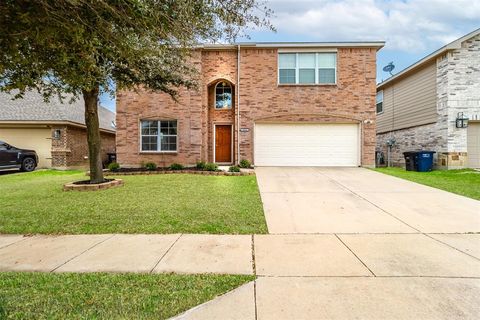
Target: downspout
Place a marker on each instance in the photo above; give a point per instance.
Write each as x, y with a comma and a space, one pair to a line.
238, 104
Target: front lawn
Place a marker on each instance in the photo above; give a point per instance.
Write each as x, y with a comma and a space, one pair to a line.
174, 203
107, 296
464, 182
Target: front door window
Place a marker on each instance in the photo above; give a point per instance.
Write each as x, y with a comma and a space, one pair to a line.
223, 95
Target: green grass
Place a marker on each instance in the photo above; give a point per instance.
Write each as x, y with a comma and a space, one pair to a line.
465, 182
107, 296
174, 203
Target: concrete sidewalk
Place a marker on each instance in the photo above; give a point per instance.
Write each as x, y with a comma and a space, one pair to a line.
299, 276
325, 255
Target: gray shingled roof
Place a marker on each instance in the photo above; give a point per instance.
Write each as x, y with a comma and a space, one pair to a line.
32, 107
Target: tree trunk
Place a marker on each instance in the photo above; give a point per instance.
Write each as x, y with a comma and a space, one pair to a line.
93, 135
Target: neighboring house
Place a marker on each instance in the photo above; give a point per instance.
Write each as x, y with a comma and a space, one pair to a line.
275, 104
419, 107
55, 130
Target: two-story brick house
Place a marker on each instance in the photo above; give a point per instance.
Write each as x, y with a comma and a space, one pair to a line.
275, 104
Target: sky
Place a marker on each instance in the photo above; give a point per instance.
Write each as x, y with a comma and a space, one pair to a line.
411, 28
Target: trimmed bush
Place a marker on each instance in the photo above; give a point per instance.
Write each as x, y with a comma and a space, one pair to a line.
201, 165
211, 166
150, 166
175, 166
234, 169
245, 164
114, 166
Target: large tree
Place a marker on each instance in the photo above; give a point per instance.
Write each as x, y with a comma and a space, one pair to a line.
84, 47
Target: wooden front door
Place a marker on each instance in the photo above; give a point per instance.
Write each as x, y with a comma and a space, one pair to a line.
223, 143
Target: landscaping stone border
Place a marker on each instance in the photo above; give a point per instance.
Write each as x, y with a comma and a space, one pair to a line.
207, 173
93, 187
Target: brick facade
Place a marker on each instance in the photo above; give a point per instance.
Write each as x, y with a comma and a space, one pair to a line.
260, 99
70, 149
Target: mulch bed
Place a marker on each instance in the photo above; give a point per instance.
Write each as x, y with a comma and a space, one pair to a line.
141, 171
89, 182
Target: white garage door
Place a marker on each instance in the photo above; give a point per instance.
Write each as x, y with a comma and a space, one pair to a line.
31, 138
306, 144
473, 144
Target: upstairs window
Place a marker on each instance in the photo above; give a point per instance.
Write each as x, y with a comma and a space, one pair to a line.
287, 64
159, 135
223, 95
379, 101
327, 67
307, 68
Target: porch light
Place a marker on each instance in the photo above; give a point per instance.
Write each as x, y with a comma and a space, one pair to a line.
461, 121
57, 133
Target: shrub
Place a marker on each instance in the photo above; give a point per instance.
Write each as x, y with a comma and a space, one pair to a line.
245, 163
175, 166
201, 165
211, 166
114, 166
234, 169
150, 166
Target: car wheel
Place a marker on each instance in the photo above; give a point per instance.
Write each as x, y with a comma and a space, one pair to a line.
28, 164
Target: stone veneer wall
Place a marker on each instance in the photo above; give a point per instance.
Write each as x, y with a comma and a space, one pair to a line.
463, 87
458, 90
426, 137
352, 100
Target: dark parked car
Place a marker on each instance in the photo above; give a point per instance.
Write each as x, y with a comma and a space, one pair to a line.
12, 157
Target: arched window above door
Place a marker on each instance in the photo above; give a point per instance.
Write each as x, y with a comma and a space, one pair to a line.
223, 95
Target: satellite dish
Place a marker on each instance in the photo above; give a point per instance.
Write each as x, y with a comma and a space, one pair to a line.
389, 68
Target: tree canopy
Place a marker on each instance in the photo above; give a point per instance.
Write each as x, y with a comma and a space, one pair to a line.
81, 47
66, 46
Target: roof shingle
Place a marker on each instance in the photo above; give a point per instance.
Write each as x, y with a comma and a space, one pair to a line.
32, 107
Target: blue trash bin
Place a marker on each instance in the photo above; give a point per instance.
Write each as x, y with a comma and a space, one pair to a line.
424, 161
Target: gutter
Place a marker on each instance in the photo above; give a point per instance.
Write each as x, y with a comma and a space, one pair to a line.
237, 92
47, 123
342, 44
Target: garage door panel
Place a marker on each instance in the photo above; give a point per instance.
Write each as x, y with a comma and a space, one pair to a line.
306, 144
38, 139
473, 144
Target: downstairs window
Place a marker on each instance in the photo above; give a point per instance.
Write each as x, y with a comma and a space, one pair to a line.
158, 135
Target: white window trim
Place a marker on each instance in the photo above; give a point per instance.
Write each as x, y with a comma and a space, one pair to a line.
297, 69
376, 102
159, 139
307, 50
215, 96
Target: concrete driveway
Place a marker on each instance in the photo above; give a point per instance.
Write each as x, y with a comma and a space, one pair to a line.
351, 243
357, 200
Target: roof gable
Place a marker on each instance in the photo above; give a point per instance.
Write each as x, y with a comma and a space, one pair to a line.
457, 44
